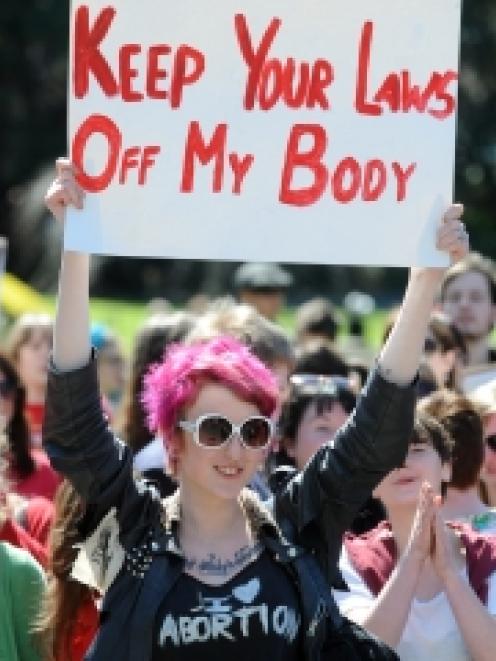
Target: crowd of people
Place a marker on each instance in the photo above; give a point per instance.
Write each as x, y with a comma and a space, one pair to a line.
231, 490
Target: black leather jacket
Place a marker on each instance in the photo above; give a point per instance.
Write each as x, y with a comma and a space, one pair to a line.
310, 513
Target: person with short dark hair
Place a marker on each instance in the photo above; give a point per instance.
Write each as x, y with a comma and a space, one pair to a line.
316, 407
316, 319
425, 586
263, 286
319, 357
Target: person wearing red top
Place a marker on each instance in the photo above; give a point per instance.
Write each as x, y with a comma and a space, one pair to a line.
30, 343
29, 470
69, 617
43, 481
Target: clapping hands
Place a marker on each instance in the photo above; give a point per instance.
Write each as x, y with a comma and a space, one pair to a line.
430, 537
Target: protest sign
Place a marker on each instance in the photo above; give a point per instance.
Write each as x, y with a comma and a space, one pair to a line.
315, 131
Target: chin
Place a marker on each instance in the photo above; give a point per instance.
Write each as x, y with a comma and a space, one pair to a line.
228, 492
405, 497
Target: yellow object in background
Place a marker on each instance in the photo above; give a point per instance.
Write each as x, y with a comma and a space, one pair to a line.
16, 297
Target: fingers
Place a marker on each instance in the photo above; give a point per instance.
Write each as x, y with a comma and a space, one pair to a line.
438, 528
65, 190
454, 212
426, 502
452, 236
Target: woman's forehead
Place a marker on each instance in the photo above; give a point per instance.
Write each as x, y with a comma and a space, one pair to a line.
218, 398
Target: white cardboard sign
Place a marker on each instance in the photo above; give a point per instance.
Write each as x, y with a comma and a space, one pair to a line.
316, 131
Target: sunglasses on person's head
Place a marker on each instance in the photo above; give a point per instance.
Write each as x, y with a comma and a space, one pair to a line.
491, 442
6, 387
214, 431
319, 384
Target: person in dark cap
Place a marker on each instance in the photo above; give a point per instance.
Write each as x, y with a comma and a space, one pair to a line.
263, 286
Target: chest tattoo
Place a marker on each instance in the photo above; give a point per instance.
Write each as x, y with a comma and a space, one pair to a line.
213, 565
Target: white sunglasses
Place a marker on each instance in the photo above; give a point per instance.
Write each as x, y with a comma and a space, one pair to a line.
213, 431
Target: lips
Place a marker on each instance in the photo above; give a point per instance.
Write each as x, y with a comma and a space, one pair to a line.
229, 472
404, 481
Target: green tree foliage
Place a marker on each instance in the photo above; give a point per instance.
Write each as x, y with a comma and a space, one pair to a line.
475, 182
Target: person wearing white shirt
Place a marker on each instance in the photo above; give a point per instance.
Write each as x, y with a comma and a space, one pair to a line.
408, 579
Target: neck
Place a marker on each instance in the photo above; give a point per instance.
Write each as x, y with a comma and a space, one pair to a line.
491, 494
401, 520
461, 503
35, 394
207, 518
477, 350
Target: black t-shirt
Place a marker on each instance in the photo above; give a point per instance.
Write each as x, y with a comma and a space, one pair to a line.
255, 615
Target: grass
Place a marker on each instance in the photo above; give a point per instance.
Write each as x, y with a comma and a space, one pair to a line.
125, 318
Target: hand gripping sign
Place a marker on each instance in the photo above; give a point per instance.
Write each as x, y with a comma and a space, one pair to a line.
296, 132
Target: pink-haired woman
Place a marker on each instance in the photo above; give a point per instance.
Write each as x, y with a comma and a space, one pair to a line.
210, 572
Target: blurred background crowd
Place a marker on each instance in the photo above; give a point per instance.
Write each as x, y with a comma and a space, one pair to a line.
320, 369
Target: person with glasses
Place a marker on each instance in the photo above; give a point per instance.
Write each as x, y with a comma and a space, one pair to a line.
485, 398
317, 406
211, 572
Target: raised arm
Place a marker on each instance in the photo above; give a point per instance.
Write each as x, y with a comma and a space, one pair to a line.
387, 615
71, 333
76, 435
342, 475
399, 359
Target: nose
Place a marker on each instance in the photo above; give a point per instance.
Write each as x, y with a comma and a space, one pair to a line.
234, 448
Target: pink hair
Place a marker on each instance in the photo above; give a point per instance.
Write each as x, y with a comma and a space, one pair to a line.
172, 385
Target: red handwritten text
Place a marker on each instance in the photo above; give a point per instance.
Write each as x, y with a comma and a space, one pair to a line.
348, 181
138, 158
397, 91
188, 63
197, 147
270, 80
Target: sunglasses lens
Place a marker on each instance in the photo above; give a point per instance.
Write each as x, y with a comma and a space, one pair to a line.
255, 432
214, 431
491, 442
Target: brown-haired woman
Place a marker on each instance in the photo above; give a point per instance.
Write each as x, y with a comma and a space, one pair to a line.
29, 470
29, 345
69, 617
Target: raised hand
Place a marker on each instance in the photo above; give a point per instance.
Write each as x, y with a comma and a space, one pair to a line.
452, 236
64, 190
445, 551
420, 541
